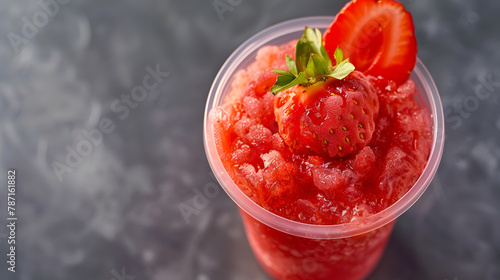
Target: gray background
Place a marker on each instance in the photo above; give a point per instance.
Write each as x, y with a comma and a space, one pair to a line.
116, 215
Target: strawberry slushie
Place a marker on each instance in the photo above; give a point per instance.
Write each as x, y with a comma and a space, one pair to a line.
323, 160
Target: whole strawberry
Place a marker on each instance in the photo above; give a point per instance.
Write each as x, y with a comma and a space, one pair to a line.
324, 110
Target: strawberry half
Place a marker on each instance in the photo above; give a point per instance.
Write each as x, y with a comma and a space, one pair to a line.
378, 36
335, 118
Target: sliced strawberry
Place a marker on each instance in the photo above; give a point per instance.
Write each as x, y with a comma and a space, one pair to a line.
377, 36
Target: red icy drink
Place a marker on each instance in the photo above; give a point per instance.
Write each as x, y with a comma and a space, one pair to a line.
323, 141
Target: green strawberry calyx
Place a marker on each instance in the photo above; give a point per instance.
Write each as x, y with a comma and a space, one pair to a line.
312, 64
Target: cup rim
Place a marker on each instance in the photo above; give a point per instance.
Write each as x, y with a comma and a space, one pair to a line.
359, 226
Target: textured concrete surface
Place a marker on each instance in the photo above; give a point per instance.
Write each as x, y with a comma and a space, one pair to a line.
113, 212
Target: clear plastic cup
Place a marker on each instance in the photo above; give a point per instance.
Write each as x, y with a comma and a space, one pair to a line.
292, 250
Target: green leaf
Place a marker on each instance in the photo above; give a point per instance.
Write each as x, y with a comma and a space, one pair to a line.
284, 73
319, 39
312, 63
285, 82
339, 55
325, 55
321, 64
317, 66
310, 43
311, 68
311, 37
292, 67
302, 54
342, 70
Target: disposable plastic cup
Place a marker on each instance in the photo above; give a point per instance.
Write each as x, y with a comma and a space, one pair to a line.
288, 249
